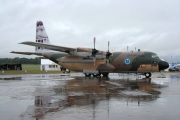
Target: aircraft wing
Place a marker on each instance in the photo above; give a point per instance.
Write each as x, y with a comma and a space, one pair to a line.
49, 46
28, 53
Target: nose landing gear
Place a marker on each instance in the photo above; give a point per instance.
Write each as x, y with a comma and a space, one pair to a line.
147, 74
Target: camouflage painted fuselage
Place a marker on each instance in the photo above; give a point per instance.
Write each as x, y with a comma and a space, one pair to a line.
120, 62
135, 62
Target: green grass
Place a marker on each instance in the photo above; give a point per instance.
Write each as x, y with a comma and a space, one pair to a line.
30, 69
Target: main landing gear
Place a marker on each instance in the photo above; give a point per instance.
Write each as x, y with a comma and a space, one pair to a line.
97, 75
105, 74
147, 74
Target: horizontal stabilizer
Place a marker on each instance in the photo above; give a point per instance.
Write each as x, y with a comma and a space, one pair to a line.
49, 46
28, 53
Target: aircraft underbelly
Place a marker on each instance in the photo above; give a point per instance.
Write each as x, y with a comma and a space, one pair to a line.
88, 66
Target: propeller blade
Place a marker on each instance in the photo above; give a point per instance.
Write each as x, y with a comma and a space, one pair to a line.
94, 51
108, 53
94, 42
107, 61
94, 60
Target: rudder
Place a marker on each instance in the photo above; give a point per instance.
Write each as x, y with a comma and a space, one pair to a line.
41, 36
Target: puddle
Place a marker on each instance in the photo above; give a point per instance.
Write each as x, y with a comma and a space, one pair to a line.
78, 97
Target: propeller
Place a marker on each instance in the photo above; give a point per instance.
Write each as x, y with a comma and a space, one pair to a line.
94, 51
108, 53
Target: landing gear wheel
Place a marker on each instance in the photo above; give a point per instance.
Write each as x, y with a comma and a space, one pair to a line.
87, 74
148, 74
96, 75
105, 74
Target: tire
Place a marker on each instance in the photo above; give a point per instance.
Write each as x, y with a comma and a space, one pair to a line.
105, 74
96, 75
148, 74
87, 74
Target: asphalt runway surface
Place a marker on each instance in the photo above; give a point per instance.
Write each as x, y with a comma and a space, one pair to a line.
76, 97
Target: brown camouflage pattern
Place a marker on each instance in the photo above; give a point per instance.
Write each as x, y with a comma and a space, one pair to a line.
139, 62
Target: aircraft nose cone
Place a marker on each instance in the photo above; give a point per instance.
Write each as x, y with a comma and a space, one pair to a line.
163, 65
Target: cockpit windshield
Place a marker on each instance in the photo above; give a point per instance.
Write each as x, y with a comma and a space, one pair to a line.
154, 56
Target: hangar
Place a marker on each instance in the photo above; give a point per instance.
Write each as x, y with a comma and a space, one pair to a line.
48, 65
10, 66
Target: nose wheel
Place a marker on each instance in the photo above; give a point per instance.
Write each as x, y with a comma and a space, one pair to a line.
148, 74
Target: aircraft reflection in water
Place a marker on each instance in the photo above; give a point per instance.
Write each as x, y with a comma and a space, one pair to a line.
85, 91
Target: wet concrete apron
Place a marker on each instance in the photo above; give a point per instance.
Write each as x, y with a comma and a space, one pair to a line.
73, 96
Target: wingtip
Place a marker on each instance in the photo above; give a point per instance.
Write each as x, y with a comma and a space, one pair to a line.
25, 42
21, 43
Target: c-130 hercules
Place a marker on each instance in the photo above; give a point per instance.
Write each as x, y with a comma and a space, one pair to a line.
94, 62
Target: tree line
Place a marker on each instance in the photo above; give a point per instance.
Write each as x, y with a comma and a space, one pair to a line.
17, 60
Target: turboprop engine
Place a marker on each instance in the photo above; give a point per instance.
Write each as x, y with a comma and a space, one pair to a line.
88, 53
91, 53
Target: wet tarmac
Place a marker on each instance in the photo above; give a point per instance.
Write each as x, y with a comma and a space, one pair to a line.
74, 97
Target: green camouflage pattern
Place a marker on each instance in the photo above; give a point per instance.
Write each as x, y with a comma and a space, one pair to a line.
119, 62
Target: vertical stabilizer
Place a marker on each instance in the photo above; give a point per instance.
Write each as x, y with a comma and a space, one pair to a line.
41, 36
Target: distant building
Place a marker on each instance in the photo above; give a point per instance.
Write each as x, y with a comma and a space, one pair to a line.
49, 65
10, 66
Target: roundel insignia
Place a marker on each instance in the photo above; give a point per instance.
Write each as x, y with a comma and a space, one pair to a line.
127, 61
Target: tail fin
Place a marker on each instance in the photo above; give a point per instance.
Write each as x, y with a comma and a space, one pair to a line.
41, 36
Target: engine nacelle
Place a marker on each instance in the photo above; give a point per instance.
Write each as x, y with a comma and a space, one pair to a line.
87, 52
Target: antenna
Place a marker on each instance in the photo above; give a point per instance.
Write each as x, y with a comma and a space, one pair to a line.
94, 42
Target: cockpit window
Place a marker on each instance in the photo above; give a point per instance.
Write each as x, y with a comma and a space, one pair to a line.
154, 56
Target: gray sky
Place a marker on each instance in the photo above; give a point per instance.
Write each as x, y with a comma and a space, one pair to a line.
150, 25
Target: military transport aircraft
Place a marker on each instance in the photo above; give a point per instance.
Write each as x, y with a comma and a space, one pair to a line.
95, 62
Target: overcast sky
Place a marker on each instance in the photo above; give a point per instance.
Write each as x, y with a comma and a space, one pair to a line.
149, 25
